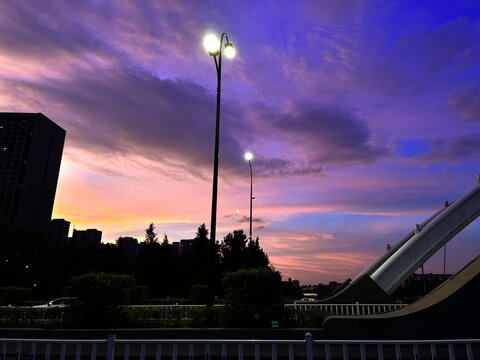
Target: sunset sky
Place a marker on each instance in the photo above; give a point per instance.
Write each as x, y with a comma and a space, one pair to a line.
363, 118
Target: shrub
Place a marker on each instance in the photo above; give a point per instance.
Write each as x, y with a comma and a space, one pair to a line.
310, 318
176, 317
100, 296
150, 317
198, 294
253, 298
28, 317
140, 293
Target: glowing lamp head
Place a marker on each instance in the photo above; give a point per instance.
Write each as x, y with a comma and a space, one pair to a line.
211, 43
229, 50
248, 156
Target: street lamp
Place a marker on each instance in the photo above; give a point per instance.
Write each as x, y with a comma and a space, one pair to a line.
249, 157
214, 48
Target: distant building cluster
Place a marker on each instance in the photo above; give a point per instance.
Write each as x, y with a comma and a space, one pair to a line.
294, 282
85, 238
60, 228
131, 247
31, 147
330, 287
432, 278
185, 246
315, 292
322, 290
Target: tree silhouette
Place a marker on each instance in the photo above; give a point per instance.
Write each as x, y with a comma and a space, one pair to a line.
236, 254
199, 256
156, 266
150, 235
30, 259
165, 239
257, 258
148, 268
234, 251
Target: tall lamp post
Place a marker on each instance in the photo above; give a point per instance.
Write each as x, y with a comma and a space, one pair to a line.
249, 157
214, 48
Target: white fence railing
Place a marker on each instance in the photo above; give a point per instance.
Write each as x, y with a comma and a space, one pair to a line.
307, 349
348, 309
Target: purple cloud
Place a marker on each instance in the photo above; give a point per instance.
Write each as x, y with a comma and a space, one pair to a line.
466, 102
451, 150
330, 137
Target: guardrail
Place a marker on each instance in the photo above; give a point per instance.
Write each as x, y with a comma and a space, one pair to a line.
307, 349
334, 309
348, 309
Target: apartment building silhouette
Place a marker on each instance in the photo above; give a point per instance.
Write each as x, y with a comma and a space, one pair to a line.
31, 147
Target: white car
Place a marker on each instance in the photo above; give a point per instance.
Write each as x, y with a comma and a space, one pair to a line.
60, 302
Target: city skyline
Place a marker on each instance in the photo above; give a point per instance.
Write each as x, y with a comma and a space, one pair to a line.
362, 118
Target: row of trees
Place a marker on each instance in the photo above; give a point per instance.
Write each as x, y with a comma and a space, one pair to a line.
169, 275
29, 259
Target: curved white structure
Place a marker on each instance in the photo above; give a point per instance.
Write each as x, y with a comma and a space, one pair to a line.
386, 255
391, 269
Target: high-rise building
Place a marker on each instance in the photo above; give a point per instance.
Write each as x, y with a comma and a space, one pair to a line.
130, 248
85, 238
31, 147
186, 246
129, 245
176, 248
59, 229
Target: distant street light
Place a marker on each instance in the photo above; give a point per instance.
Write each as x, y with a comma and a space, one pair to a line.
214, 48
249, 157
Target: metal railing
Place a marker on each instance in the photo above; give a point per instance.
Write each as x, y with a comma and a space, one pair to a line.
348, 309
334, 309
173, 306
307, 349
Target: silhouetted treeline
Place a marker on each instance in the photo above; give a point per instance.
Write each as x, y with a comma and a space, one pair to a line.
29, 259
